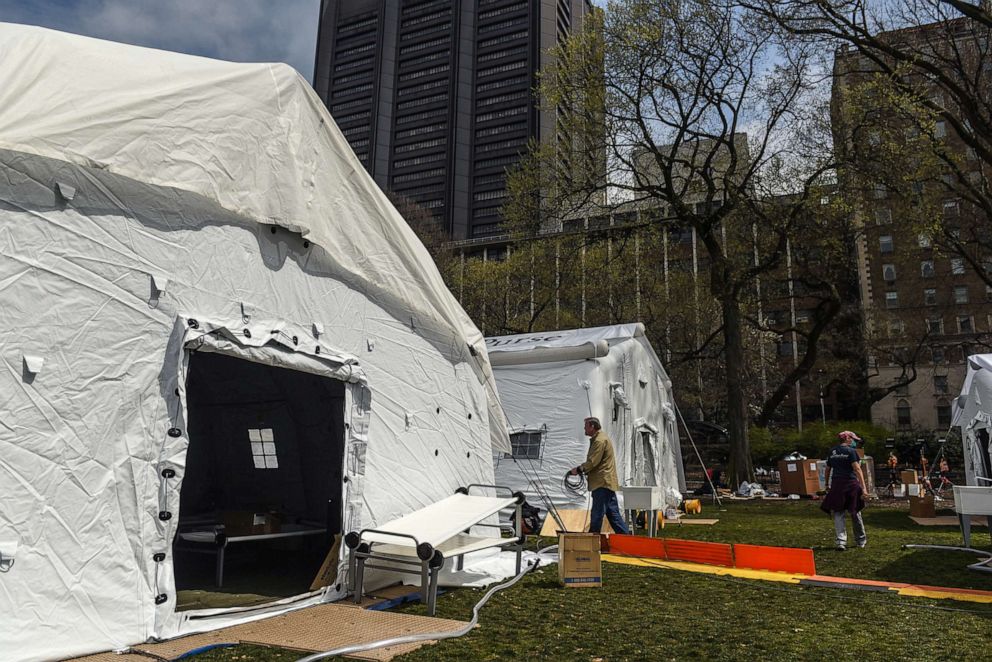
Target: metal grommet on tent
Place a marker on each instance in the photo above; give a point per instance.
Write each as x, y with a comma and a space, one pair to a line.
164, 515
435, 452
175, 432
317, 350
296, 341
161, 598
272, 229
158, 557
247, 333
306, 244
192, 323
470, 416
168, 473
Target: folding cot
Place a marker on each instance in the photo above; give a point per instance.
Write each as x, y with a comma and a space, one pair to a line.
421, 542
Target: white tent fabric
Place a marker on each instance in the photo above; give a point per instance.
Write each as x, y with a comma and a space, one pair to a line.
973, 414
255, 138
157, 210
546, 393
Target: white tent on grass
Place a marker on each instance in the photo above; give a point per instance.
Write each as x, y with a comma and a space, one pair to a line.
549, 382
209, 310
973, 414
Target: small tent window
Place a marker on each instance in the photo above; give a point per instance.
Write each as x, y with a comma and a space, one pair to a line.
528, 444
263, 448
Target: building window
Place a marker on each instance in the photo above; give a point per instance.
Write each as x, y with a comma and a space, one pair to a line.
957, 266
926, 268
885, 243
263, 448
785, 348
496, 254
883, 216
943, 415
924, 239
930, 297
897, 327
961, 294
937, 353
935, 326
965, 324
880, 191
950, 208
940, 383
891, 299
904, 416
528, 444
889, 272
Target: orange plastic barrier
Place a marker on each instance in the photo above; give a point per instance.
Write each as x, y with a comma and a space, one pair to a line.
710, 553
779, 559
754, 557
642, 546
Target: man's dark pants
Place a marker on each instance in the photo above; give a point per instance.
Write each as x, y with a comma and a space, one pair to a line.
604, 501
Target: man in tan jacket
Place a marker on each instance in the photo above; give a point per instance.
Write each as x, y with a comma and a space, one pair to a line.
600, 468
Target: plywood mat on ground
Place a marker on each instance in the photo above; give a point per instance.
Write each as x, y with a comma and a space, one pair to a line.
699, 521
319, 628
948, 520
578, 520
574, 520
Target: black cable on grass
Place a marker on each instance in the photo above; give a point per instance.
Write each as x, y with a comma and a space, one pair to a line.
762, 586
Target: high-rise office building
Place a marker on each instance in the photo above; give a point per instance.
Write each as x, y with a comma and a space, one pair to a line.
436, 97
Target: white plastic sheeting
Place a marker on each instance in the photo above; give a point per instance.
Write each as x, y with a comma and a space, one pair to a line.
140, 190
973, 414
547, 398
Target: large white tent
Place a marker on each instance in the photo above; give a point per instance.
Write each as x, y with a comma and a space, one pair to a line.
208, 306
973, 414
549, 382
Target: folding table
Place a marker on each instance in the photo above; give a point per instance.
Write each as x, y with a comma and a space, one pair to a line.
421, 542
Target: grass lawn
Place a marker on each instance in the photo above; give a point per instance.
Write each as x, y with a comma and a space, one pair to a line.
659, 614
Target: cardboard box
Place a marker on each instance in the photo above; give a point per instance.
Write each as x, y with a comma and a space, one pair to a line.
250, 523
908, 477
799, 476
579, 564
922, 506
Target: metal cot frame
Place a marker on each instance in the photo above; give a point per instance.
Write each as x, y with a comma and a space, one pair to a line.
428, 558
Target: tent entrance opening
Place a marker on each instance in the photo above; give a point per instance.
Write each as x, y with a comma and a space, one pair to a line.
261, 499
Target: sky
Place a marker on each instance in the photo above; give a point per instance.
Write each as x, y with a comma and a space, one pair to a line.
237, 30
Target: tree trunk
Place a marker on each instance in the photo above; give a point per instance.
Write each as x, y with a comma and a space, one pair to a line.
739, 463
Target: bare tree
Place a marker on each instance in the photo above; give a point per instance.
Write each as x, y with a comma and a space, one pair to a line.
705, 112
930, 61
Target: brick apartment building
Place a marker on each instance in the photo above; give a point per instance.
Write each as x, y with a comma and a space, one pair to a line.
926, 308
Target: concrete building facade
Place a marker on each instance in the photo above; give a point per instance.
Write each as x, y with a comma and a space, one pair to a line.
436, 97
